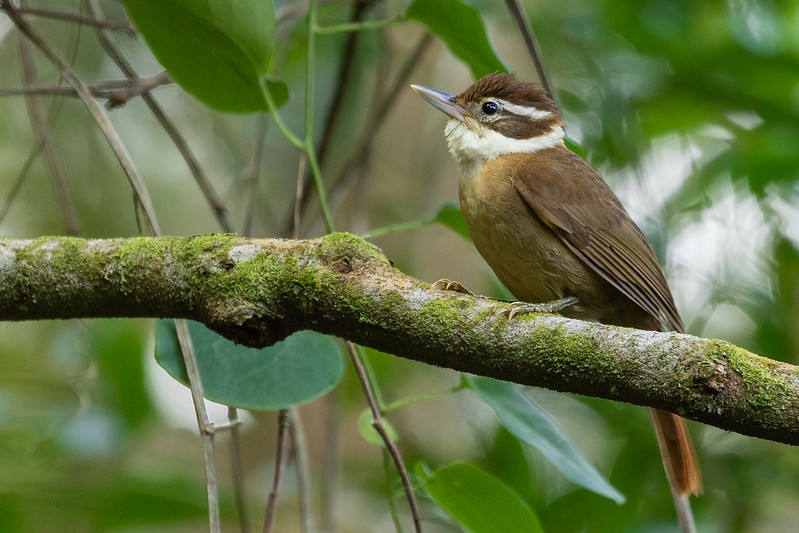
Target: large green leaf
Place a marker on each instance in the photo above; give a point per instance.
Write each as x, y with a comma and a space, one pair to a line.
215, 50
297, 370
531, 424
478, 501
460, 26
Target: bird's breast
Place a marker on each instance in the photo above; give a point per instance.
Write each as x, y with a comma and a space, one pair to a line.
513, 241
527, 256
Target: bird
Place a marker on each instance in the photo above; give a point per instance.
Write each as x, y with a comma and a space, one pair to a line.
552, 229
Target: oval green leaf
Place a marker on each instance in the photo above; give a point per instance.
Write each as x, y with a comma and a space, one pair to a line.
533, 425
216, 50
294, 371
451, 216
370, 434
460, 27
478, 501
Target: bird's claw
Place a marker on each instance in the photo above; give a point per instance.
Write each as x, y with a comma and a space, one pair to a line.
445, 284
521, 308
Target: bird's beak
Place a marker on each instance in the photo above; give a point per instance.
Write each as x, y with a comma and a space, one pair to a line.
442, 101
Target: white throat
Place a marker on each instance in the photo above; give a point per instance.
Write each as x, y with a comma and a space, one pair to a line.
473, 146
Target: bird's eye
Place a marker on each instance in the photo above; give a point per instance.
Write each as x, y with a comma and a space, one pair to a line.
490, 108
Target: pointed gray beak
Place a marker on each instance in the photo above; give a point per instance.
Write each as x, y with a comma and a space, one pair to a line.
442, 101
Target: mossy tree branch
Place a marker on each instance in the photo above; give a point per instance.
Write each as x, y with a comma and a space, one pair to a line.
258, 291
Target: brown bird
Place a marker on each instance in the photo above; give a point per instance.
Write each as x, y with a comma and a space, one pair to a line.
551, 228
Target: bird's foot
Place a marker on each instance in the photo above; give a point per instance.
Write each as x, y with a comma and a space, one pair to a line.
522, 308
445, 284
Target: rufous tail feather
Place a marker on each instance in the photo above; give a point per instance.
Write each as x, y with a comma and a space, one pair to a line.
679, 461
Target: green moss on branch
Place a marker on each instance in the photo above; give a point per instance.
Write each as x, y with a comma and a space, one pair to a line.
258, 291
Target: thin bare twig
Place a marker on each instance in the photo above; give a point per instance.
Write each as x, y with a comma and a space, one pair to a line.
384, 107
237, 470
253, 173
114, 90
78, 18
203, 422
137, 87
392, 503
530, 42
40, 124
281, 457
207, 188
329, 477
301, 463
377, 424
20, 179
97, 112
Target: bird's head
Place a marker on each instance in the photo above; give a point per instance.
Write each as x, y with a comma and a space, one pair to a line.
497, 115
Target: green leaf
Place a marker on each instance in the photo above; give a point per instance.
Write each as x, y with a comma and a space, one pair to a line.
508, 458
531, 424
451, 216
278, 90
460, 26
370, 434
478, 501
216, 50
448, 215
296, 370
575, 147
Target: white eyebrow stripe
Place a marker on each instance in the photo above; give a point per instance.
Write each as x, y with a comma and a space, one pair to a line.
524, 111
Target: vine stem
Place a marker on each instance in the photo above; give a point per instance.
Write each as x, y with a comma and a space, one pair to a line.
349, 27
283, 433
377, 424
310, 151
305, 144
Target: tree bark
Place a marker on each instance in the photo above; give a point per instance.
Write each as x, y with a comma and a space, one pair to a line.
259, 291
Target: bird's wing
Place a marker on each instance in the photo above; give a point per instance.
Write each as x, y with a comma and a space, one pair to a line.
591, 221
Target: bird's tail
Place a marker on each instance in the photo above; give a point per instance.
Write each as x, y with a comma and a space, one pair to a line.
679, 460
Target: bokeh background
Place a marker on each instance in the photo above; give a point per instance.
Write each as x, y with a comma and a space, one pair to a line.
689, 109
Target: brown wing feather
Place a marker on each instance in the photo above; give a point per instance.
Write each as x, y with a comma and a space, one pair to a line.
606, 239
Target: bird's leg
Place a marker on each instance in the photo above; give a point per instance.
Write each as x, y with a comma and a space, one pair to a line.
514, 308
521, 308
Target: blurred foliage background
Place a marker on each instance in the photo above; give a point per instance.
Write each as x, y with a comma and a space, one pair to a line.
689, 109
